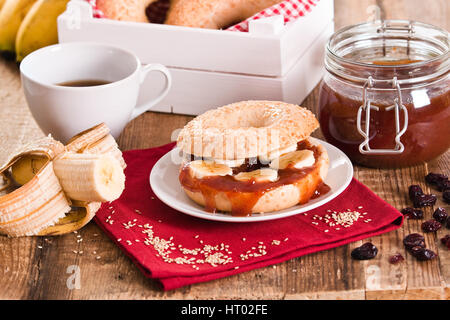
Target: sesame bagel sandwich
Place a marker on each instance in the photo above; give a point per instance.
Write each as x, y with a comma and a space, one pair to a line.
252, 157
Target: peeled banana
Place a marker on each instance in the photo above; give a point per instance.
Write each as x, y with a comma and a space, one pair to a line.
39, 27
2, 2
90, 177
33, 200
200, 169
260, 175
11, 16
297, 159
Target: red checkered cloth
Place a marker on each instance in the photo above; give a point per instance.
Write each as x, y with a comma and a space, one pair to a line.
289, 9
95, 11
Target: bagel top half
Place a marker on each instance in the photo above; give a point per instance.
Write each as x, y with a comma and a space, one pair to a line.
246, 129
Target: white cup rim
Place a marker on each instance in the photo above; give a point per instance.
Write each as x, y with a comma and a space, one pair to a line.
29, 58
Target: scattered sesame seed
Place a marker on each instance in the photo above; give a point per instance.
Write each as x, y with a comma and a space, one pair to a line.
40, 247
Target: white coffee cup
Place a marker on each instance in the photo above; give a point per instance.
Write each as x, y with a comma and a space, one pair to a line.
64, 111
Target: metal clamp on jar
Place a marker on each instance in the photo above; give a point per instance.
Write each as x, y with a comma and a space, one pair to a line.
385, 98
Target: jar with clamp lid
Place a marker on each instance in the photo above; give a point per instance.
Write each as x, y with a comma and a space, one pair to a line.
385, 98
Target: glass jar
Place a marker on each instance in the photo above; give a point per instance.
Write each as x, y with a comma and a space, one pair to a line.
385, 99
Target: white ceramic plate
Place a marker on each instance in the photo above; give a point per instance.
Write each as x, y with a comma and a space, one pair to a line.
165, 185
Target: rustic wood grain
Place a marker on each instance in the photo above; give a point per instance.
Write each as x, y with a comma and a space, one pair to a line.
27, 272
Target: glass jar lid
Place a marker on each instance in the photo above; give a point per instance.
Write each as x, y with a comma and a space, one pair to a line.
411, 52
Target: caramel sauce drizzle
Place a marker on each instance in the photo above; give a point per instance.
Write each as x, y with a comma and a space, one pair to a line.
243, 195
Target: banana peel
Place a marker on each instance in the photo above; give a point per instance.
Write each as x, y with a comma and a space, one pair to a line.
24, 169
12, 14
77, 218
39, 27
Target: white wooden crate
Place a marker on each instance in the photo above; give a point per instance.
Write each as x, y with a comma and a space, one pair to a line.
214, 67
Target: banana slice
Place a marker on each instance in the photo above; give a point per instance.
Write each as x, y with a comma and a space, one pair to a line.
230, 163
200, 169
260, 175
276, 154
297, 159
90, 177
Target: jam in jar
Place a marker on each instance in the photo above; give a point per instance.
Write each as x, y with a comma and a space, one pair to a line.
385, 99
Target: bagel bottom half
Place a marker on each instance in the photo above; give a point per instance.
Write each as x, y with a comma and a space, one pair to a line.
274, 197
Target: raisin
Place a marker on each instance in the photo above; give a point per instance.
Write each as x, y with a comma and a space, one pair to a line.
365, 252
446, 240
444, 185
412, 213
431, 226
447, 224
414, 240
396, 258
435, 178
424, 200
440, 215
446, 195
422, 254
414, 191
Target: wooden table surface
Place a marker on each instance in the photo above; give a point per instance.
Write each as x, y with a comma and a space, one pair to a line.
27, 272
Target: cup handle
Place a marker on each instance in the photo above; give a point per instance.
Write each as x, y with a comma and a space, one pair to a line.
145, 70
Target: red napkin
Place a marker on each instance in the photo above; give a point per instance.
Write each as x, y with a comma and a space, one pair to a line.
177, 249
